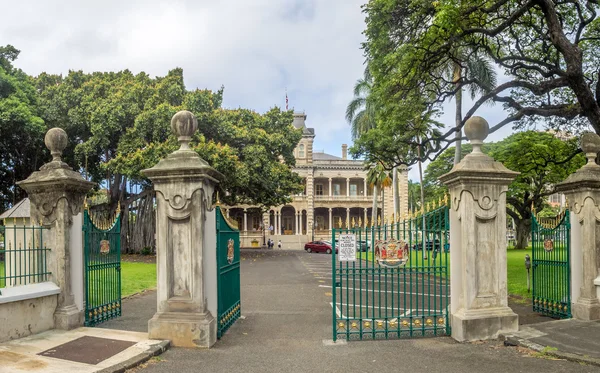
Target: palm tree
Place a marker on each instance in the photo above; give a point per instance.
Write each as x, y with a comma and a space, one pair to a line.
360, 113
476, 68
379, 179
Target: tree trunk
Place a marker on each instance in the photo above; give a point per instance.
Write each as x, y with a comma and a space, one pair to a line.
422, 201
396, 192
374, 212
458, 116
522, 233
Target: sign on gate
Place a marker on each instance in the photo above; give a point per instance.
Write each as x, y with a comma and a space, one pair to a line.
347, 247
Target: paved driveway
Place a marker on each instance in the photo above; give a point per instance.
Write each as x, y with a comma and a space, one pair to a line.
287, 316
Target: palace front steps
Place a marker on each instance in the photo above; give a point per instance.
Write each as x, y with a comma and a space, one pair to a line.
564, 339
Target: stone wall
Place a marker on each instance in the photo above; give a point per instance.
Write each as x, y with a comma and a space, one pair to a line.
27, 310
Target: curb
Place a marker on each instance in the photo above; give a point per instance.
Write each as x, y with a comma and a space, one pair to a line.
511, 340
153, 350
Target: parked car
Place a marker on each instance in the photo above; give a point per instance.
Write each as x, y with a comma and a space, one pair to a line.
363, 245
319, 247
431, 245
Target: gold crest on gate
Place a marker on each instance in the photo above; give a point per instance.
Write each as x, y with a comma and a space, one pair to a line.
104, 247
548, 245
230, 251
391, 253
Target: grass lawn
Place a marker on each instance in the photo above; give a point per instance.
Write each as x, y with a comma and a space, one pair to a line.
136, 276
516, 273
2, 279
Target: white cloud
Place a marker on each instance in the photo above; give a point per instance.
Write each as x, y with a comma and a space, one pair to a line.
256, 49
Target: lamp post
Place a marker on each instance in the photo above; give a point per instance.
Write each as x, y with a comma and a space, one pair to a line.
262, 227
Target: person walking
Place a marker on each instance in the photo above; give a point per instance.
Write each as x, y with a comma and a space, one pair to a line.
279, 244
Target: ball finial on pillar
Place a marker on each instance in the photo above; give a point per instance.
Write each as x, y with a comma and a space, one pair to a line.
56, 141
477, 129
184, 124
590, 144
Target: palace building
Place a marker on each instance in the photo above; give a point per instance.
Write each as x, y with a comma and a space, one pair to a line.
334, 188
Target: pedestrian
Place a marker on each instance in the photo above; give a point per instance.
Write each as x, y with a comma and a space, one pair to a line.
279, 244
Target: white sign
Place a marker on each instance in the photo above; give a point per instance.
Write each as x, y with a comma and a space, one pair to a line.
347, 247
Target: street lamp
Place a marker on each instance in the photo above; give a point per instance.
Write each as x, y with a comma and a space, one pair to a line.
262, 227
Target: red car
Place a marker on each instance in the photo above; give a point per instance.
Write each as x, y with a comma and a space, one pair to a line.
319, 247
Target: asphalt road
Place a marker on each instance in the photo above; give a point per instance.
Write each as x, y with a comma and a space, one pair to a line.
287, 323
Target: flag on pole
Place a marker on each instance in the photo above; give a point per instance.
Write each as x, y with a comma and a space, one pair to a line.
286, 100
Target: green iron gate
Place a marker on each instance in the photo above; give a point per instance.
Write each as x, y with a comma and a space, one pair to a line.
102, 267
228, 278
398, 286
550, 251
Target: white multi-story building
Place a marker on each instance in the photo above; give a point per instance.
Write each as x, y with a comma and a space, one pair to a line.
334, 188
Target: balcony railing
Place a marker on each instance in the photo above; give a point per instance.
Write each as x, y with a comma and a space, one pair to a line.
345, 198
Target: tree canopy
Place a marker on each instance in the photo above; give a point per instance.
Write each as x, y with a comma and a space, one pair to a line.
22, 129
118, 123
547, 50
542, 160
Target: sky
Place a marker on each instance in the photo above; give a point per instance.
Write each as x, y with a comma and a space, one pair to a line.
258, 50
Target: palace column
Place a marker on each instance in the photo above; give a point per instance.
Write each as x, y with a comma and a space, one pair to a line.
347, 222
277, 225
365, 218
245, 220
297, 227
347, 187
301, 222
330, 191
330, 218
478, 186
184, 184
366, 192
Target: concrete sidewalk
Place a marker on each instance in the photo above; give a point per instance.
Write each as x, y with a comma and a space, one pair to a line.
566, 339
24, 354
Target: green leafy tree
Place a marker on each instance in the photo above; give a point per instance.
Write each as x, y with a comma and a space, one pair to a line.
360, 114
548, 50
542, 159
119, 124
379, 178
22, 149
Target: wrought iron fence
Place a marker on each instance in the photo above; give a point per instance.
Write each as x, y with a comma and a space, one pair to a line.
398, 287
22, 255
551, 253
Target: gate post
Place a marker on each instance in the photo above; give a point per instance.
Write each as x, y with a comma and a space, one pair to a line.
184, 185
478, 186
56, 193
582, 190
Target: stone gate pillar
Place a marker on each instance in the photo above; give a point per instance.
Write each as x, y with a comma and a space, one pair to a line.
582, 190
184, 185
56, 193
478, 186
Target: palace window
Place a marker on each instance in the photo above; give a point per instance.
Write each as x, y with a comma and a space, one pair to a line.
337, 189
301, 151
353, 189
319, 189
256, 220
